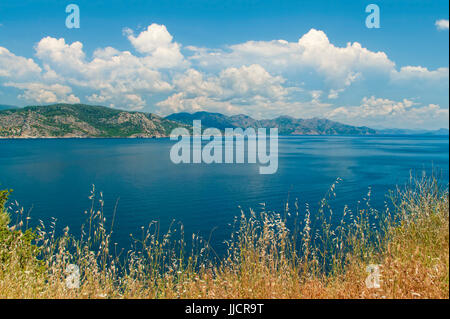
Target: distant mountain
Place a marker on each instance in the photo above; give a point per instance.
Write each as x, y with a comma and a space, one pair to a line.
216, 120
286, 125
7, 107
80, 120
441, 132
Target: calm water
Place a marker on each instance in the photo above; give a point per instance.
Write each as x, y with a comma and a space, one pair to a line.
53, 178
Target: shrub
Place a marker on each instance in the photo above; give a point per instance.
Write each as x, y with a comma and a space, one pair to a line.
18, 252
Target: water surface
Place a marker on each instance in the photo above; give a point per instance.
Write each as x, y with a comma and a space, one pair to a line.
53, 178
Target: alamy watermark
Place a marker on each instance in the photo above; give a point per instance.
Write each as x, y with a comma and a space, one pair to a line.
373, 279
373, 19
73, 19
73, 276
227, 148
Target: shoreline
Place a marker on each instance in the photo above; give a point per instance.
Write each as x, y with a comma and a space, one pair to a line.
160, 137
76, 137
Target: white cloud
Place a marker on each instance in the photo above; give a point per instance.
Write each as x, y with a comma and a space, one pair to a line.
340, 65
42, 93
441, 24
132, 102
316, 94
156, 43
180, 102
388, 113
334, 94
115, 77
252, 80
109, 69
258, 78
232, 90
66, 57
17, 67
112, 73
420, 73
193, 82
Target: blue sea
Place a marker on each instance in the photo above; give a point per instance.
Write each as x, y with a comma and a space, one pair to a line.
54, 177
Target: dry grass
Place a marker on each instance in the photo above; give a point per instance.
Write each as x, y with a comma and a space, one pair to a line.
265, 259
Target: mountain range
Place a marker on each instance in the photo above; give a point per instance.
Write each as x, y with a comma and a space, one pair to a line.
399, 131
80, 120
286, 125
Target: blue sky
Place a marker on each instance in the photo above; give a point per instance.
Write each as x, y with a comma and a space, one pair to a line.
261, 58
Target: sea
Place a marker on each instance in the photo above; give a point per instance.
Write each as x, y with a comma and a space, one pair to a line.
52, 181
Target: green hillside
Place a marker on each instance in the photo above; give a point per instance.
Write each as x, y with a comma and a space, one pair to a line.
80, 120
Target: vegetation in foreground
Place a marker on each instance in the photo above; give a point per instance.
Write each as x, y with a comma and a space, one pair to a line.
316, 259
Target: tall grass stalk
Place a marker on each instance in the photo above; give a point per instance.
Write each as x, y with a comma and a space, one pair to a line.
323, 256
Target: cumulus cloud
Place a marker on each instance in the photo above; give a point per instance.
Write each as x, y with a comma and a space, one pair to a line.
156, 43
133, 102
388, 113
108, 69
334, 94
66, 57
17, 67
340, 65
252, 80
305, 78
441, 24
421, 73
116, 78
232, 90
113, 74
181, 102
232, 82
42, 93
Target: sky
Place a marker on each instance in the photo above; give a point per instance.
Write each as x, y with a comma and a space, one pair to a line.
263, 58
